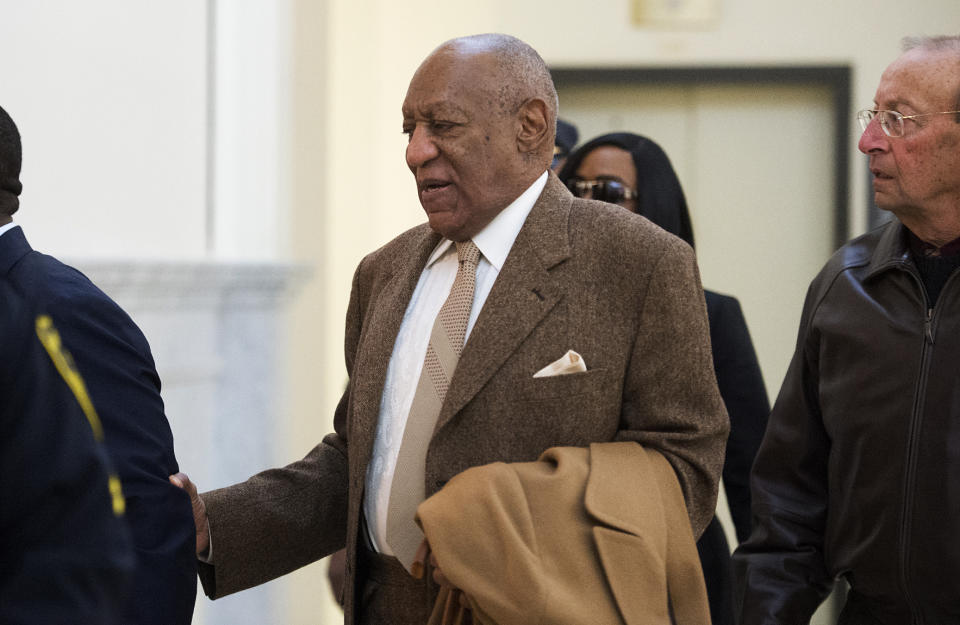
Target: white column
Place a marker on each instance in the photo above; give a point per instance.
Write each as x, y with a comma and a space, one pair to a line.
249, 63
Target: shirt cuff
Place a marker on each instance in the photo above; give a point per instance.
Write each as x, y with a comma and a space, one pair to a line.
207, 556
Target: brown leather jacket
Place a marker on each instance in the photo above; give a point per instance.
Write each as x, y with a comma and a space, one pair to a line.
859, 473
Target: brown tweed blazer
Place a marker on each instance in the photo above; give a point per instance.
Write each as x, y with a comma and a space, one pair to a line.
590, 277
582, 549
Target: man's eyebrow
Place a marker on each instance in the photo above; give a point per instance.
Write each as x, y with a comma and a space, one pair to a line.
432, 110
446, 108
896, 104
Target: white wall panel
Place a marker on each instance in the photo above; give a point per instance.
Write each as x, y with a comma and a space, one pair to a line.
109, 96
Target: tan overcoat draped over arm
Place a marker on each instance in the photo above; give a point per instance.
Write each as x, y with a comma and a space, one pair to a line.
560, 540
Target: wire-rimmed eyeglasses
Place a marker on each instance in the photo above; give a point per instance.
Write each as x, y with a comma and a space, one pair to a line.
891, 121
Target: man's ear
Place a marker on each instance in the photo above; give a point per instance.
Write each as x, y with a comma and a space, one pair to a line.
534, 132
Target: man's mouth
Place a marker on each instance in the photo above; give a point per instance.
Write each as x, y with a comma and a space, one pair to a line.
876, 169
435, 193
432, 186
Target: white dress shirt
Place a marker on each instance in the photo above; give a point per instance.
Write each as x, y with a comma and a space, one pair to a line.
406, 361
9, 226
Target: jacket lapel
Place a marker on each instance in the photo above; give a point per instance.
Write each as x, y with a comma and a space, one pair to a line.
380, 330
643, 537
523, 294
631, 537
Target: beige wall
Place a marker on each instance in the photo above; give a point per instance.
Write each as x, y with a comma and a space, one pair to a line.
109, 96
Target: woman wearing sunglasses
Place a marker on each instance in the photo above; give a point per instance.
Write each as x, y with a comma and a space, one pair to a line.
634, 172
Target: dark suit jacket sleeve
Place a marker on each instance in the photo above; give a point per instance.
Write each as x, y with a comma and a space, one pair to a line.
744, 395
65, 557
115, 360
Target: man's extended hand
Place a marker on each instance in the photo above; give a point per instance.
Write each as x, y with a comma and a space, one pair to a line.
456, 606
180, 480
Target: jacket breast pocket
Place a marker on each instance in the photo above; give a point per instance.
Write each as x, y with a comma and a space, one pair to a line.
558, 386
574, 409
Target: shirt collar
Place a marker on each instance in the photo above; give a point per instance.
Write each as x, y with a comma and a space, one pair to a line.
496, 239
9, 226
921, 248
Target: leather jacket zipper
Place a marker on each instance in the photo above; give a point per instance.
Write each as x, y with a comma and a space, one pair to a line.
913, 441
926, 355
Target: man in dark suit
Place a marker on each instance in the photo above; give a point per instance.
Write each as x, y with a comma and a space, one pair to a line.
114, 358
65, 553
555, 275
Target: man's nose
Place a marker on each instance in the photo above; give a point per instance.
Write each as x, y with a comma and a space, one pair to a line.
873, 138
420, 149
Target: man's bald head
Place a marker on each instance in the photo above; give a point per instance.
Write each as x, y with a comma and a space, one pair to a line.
10, 157
520, 73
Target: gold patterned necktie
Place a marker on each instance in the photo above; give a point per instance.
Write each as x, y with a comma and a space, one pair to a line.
443, 352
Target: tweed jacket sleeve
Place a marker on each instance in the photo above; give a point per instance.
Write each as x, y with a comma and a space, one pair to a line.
284, 518
671, 402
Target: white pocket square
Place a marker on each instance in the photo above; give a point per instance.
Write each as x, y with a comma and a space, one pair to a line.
571, 362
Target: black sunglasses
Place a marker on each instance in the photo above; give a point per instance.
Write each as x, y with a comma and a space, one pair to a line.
611, 191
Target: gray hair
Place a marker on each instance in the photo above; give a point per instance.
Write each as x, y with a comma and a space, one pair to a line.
941, 43
526, 75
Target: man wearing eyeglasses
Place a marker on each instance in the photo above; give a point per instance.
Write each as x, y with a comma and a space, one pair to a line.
859, 473
580, 324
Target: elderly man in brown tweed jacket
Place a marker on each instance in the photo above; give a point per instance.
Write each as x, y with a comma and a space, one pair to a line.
555, 276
